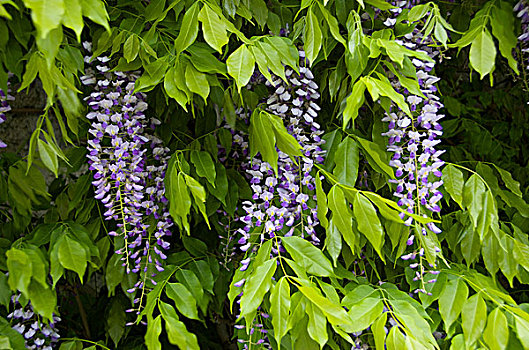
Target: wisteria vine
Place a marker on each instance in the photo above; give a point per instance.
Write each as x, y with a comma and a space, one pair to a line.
129, 165
413, 142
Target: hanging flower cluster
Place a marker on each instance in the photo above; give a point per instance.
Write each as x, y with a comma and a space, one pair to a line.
283, 202
413, 141
37, 335
129, 165
4, 108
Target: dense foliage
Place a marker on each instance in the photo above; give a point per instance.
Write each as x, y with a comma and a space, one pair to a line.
282, 174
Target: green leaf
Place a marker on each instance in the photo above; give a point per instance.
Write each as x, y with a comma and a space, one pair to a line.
453, 182
353, 102
196, 81
96, 11
188, 30
73, 17
48, 156
43, 299
317, 325
154, 329
451, 301
154, 10
335, 314
346, 159
46, 14
510, 183
496, 333
73, 255
256, 287
470, 244
280, 308
322, 203
131, 48
383, 87
262, 140
333, 241
204, 165
483, 53
20, 270
365, 313
285, 142
199, 195
213, 29
502, 22
522, 331
473, 197
474, 316
172, 90
378, 156
115, 323
313, 36
379, 332
342, 215
177, 332
308, 256
114, 274
333, 25
183, 299
241, 65
368, 222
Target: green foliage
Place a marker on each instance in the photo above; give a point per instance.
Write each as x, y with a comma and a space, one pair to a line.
196, 60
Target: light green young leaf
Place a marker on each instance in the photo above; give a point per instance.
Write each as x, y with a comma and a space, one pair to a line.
342, 215
353, 103
96, 11
131, 48
213, 29
43, 299
333, 241
496, 333
346, 158
46, 14
20, 270
379, 332
322, 203
241, 65
335, 314
73, 256
368, 222
280, 308
48, 156
365, 313
257, 286
204, 165
308, 256
473, 197
317, 325
483, 53
375, 153
451, 301
154, 329
177, 332
522, 331
453, 182
502, 22
199, 195
262, 140
285, 142
73, 17
313, 36
184, 301
196, 81
172, 90
474, 316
